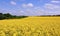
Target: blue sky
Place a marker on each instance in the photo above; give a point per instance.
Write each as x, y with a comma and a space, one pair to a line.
30, 7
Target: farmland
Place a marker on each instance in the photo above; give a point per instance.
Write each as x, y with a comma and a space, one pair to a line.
30, 26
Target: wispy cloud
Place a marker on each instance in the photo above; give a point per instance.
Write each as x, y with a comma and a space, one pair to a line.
51, 6
19, 0
51, 9
55, 1
12, 2
28, 5
25, 7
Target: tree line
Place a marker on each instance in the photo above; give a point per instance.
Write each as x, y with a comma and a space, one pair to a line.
9, 16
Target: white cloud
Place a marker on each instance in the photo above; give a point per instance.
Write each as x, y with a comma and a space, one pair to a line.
48, 9
52, 9
34, 12
51, 6
12, 2
18, 0
55, 1
23, 5
28, 5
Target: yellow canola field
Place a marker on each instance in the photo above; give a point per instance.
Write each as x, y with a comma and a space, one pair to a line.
31, 26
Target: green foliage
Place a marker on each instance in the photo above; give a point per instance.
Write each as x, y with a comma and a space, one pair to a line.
9, 16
